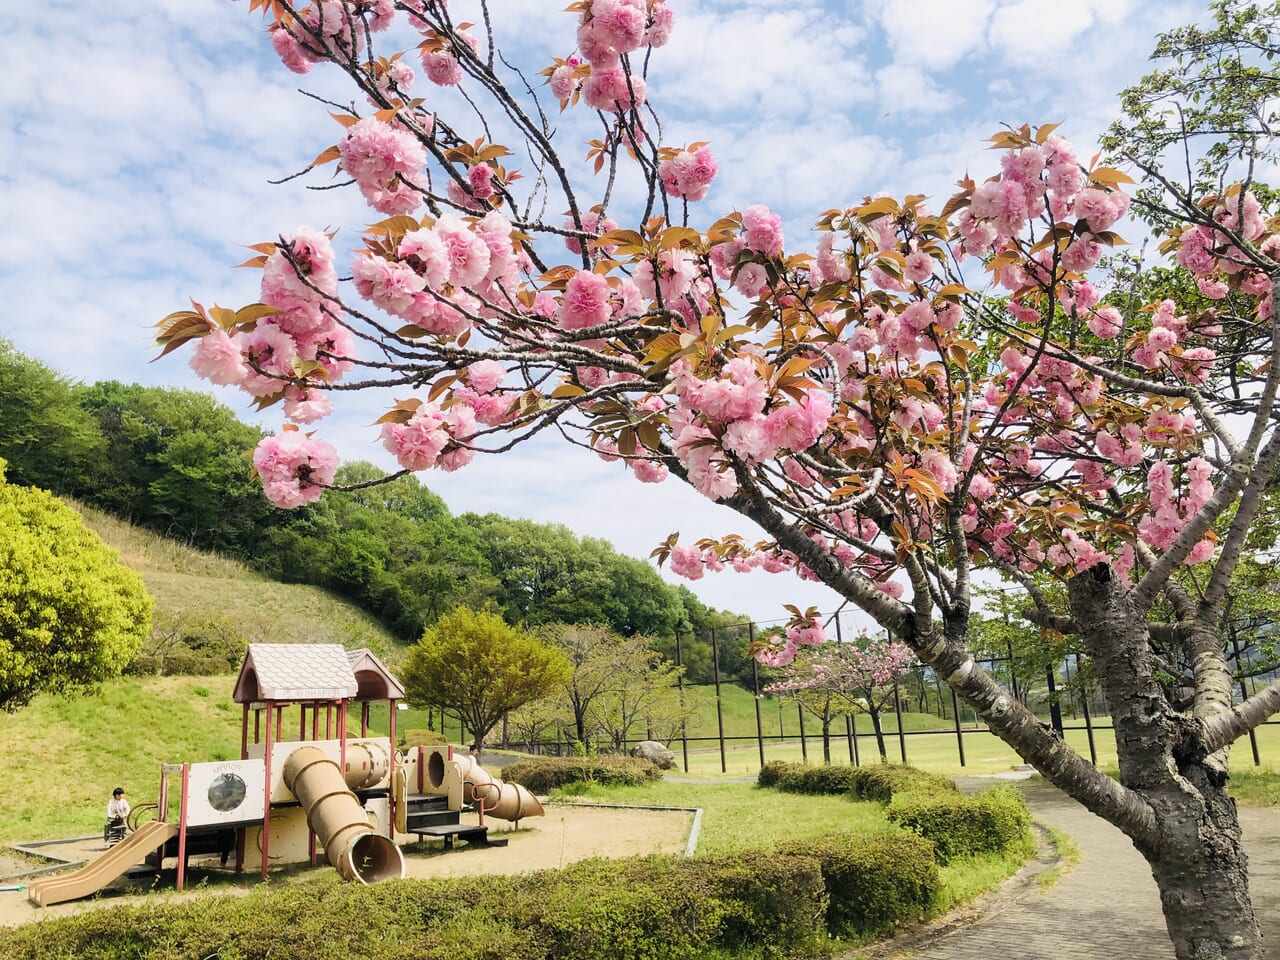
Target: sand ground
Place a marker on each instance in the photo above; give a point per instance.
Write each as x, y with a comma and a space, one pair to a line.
567, 833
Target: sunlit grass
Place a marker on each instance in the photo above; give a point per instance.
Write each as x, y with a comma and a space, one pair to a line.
742, 816
1069, 854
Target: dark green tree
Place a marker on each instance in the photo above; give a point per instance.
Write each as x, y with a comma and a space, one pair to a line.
47, 438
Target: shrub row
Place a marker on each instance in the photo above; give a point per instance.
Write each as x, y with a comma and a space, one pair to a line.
880, 782
544, 774
425, 738
776, 902
990, 822
928, 804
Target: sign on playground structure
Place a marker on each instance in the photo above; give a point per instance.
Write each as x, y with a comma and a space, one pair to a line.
226, 792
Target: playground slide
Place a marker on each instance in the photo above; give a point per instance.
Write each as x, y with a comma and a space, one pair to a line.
506, 801
97, 873
336, 815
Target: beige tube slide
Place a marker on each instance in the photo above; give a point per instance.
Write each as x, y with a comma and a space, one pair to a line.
506, 801
354, 849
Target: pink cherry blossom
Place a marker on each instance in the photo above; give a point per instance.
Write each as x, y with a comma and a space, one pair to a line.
294, 467
218, 359
442, 68
762, 230
687, 562
585, 302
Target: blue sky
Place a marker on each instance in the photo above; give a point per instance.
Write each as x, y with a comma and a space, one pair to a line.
139, 137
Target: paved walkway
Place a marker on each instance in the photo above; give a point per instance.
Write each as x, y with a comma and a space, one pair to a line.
1107, 908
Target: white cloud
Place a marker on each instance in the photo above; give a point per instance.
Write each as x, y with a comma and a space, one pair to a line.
140, 137
934, 34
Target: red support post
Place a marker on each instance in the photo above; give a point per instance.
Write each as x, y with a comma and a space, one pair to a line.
315, 722
391, 806
266, 798
244, 733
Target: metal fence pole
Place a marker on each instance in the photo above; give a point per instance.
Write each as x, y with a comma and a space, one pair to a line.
955, 704
715, 662
684, 726
1055, 710
1244, 692
804, 749
755, 688
897, 709
1013, 673
1088, 720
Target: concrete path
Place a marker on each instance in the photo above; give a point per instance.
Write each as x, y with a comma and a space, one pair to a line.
1107, 908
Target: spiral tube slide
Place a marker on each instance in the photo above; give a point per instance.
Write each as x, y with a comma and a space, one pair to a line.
506, 801
354, 849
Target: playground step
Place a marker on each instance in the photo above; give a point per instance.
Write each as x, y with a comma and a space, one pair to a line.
417, 821
469, 833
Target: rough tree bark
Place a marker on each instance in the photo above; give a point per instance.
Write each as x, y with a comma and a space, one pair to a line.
1194, 851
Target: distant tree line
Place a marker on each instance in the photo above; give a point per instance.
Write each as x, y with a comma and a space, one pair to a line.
174, 461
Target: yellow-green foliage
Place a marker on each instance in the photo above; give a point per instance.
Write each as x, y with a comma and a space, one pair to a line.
71, 614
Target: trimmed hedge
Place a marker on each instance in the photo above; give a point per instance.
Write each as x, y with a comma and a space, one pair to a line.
652, 908
992, 821
928, 804
886, 780
878, 782
424, 738
544, 774
874, 884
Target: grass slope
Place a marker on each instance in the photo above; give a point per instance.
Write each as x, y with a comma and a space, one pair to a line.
191, 585
62, 757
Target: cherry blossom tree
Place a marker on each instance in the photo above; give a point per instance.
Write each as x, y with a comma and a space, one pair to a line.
836, 679
926, 393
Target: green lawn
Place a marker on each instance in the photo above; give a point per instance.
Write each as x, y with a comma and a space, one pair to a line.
937, 752
61, 758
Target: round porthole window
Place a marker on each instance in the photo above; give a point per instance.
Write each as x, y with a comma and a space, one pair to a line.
226, 792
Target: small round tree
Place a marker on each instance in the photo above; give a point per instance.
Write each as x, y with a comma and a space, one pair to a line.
71, 614
476, 664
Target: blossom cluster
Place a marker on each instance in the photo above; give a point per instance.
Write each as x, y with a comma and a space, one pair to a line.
607, 31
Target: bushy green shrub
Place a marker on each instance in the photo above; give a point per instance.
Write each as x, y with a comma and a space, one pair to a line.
995, 820
71, 614
638, 908
424, 738
875, 782
544, 774
874, 884
771, 900
883, 781
772, 772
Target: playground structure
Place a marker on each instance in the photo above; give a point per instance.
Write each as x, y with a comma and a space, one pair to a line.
284, 799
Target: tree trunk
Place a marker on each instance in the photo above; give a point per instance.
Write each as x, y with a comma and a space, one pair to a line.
826, 738
1194, 850
875, 725
1203, 875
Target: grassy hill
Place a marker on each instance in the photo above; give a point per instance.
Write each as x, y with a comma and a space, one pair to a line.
196, 588
61, 757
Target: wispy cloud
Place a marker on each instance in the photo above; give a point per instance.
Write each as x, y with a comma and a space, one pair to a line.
140, 136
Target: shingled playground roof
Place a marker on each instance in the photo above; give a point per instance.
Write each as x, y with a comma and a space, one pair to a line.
293, 672
375, 680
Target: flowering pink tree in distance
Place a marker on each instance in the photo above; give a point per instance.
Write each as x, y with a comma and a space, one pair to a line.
835, 679
929, 391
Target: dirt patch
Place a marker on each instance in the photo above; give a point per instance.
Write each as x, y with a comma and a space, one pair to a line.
567, 833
